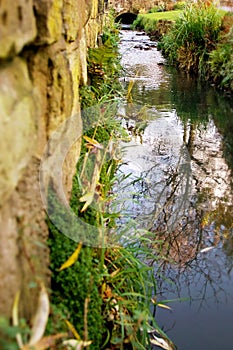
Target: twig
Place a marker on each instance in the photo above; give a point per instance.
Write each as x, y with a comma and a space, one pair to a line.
85, 335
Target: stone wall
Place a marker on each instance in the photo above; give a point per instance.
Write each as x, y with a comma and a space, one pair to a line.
135, 6
42, 63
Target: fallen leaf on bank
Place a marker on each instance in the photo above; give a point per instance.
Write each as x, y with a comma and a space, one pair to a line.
88, 198
106, 291
114, 273
162, 343
73, 330
41, 317
75, 344
15, 318
93, 142
45, 343
91, 190
72, 259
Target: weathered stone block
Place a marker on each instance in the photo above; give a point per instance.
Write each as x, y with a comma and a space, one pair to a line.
24, 255
17, 124
75, 15
48, 20
83, 58
92, 29
17, 26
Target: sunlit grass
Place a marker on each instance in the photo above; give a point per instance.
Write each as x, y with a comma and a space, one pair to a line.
150, 21
166, 15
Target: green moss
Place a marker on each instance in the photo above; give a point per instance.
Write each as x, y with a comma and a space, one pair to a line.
71, 287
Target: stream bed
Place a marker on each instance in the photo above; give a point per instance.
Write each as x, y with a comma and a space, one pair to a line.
178, 185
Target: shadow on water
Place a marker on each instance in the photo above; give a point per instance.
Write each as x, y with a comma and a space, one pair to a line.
181, 150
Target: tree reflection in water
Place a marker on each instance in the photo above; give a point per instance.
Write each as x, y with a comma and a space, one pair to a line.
184, 197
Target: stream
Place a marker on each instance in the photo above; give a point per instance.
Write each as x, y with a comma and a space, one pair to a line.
177, 184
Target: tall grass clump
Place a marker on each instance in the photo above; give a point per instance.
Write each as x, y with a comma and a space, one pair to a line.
193, 37
221, 63
106, 294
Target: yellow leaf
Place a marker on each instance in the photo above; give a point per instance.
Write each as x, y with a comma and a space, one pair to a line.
88, 197
103, 288
73, 330
164, 306
154, 301
91, 190
93, 142
15, 318
114, 273
89, 140
72, 259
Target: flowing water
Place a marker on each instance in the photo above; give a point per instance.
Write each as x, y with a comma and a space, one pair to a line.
179, 163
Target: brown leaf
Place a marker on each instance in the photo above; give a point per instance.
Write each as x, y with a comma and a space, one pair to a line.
93, 142
45, 343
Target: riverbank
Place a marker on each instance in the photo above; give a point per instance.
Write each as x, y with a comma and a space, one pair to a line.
101, 290
198, 40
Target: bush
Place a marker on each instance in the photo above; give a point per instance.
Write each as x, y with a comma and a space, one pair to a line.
221, 63
142, 22
180, 5
193, 37
154, 9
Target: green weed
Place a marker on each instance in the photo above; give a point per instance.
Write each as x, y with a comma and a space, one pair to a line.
8, 333
103, 70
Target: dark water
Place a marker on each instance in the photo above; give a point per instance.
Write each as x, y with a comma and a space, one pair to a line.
180, 162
